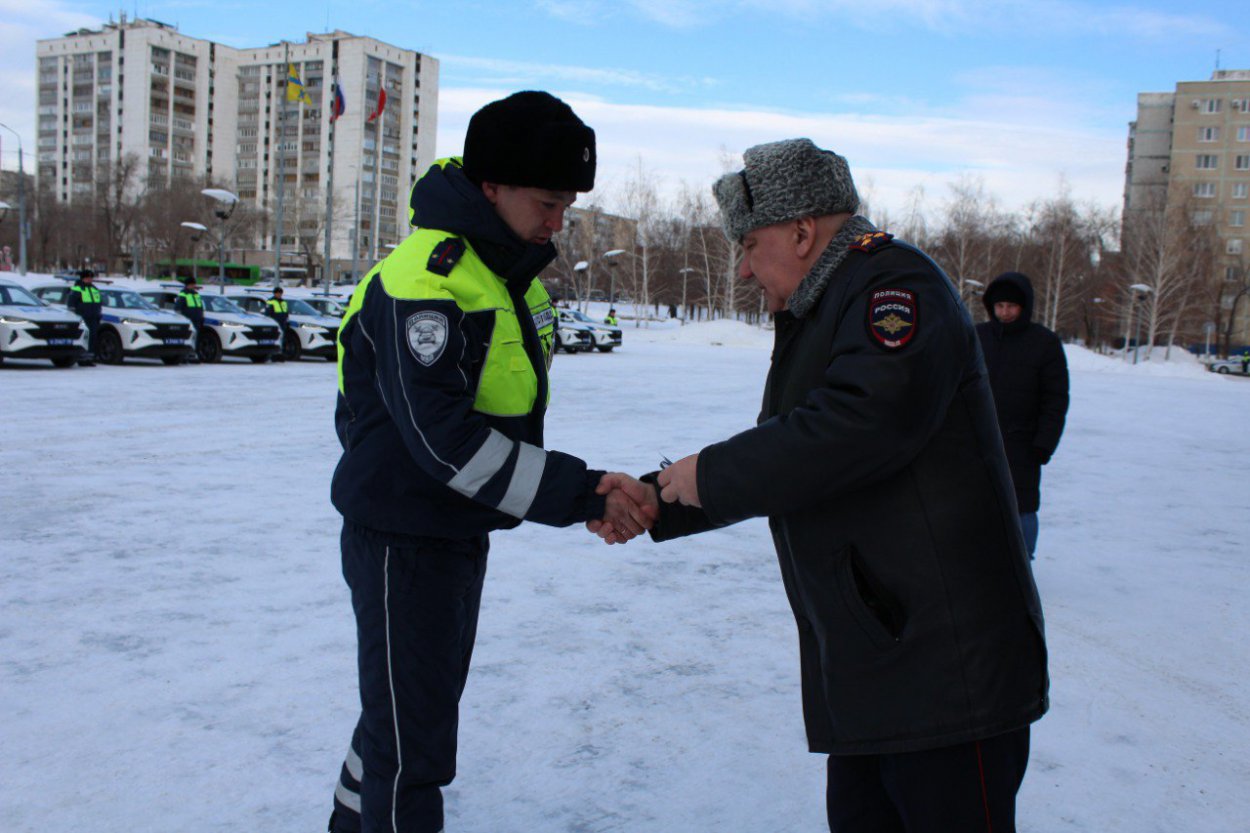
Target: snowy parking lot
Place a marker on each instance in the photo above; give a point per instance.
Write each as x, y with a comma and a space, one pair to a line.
178, 647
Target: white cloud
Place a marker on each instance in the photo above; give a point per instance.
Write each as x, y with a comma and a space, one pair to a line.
498, 72
24, 22
1019, 160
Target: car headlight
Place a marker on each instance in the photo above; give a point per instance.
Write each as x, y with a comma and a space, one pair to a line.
230, 325
13, 319
136, 322
314, 327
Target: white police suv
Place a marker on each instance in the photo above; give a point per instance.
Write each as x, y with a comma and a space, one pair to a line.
132, 327
309, 333
605, 336
229, 330
31, 329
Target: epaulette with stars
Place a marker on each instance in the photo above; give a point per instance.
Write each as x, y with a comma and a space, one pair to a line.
872, 241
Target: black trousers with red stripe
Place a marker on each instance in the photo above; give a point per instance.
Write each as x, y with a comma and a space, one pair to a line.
967, 788
416, 605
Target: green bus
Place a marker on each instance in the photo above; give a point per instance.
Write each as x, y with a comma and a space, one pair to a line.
206, 271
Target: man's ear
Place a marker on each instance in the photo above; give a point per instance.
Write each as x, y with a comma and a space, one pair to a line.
491, 190
804, 236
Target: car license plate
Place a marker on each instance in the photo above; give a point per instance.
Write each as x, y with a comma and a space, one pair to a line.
60, 342
267, 341
174, 341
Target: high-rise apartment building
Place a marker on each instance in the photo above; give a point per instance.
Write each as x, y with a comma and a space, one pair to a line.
187, 107
1192, 147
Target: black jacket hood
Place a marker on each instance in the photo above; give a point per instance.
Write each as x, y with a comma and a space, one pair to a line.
995, 291
448, 200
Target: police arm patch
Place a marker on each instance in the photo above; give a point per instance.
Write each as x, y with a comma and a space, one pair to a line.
892, 317
427, 335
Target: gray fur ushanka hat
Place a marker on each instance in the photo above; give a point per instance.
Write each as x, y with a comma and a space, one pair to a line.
783, 181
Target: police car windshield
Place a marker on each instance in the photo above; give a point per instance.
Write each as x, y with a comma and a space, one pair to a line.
220, 303
19, 296
299, 307
578, 315
124, 299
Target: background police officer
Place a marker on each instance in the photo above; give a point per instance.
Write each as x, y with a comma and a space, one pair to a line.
443, 358
84, 299
279, 311
189, 303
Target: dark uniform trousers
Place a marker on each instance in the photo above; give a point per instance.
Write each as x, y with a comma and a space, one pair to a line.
966, 788
416, 607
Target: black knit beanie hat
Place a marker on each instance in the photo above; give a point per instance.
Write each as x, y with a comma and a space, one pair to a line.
530, 139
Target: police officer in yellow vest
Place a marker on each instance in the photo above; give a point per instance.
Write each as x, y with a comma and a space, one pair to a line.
443, 359
611, 317
84, 299
279, 311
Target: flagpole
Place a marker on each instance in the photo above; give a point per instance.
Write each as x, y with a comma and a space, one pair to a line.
334, 103
279, 157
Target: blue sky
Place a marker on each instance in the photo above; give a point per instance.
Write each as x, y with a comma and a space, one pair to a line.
916, 93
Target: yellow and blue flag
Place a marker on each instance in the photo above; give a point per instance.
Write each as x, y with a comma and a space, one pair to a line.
294, 87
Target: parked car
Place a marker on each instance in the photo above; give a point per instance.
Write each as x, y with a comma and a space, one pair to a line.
228, 329
605, 336
309, 333
131, 326
33, 329
1226, 366
571, 336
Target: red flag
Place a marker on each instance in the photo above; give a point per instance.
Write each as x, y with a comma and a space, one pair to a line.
381, 104
338, 105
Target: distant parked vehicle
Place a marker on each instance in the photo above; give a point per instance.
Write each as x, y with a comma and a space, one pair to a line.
131, 326
605, 336
309, 333
1227, 366
228, 329
32, 329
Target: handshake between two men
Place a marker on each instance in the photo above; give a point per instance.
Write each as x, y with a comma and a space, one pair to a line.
633, 506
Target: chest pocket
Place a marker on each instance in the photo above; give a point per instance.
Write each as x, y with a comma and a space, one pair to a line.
508, 386
545, 322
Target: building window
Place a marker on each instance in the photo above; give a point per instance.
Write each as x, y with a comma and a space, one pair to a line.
1234, 246
1237, 219
1202, 217
1243, 134
1240, 105
1208, 134
1212, 105
1207, 161
1241, 162
1240, 190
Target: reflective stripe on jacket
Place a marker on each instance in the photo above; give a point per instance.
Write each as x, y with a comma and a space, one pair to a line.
442, 396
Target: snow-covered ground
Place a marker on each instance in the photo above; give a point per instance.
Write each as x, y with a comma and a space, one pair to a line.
178, 648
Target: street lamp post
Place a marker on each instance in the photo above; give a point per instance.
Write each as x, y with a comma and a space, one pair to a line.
1143, 289
581, 266
684, 272
197, 231
22, 231
226, 203
610, 258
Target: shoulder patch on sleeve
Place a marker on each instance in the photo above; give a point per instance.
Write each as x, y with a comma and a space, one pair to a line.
872, 241
427, 335
892, 317
445, 256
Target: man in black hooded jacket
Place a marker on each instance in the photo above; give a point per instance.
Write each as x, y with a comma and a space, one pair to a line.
1029, 377
443, 359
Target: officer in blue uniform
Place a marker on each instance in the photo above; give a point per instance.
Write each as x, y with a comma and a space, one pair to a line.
84, 299
443, 357
279, 311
